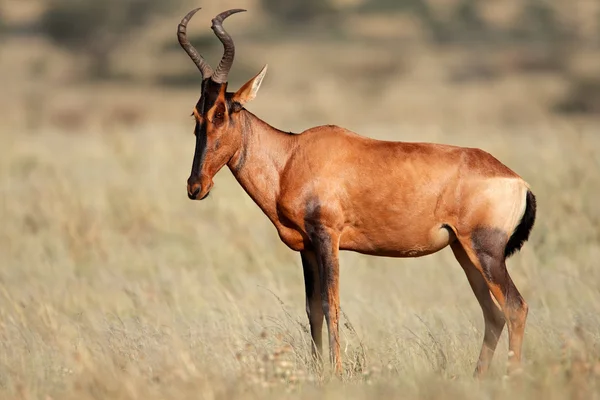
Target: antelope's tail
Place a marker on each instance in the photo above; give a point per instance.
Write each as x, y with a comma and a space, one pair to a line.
522, 231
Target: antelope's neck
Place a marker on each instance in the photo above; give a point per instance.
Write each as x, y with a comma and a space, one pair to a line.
260, 161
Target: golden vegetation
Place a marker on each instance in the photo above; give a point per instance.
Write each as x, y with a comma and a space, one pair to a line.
114, 285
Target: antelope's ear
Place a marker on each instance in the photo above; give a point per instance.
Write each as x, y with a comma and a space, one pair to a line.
250, 88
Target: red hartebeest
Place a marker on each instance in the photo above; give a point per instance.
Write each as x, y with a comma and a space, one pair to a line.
329, 189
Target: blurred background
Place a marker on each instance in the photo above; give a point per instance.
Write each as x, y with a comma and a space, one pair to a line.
62, 58
114, 285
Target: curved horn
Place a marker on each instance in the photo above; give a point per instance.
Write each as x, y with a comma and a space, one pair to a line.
220, 75
202, 65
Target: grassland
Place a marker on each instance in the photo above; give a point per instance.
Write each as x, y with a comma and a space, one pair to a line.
113, 285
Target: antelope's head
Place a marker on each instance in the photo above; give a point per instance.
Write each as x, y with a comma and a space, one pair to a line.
218, 128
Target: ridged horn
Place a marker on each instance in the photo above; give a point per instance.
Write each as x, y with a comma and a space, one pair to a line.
202, 65
220, 74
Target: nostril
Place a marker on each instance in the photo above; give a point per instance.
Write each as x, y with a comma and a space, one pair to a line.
194, 193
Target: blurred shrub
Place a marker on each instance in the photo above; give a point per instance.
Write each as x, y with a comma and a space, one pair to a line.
376, 6
538, 21
464, 23
297, 11
95, 28
464, 16
583, 97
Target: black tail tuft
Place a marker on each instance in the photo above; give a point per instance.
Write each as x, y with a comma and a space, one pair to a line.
521, 234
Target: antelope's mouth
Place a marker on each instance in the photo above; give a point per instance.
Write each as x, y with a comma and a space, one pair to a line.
205, 191
197, 196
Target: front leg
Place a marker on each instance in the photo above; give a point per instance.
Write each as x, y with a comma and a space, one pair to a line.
314, 307
325, 243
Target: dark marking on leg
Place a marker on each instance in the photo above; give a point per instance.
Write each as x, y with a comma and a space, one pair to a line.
326, 252
492, 315
489, 246
314, 309
312, 213
309, 278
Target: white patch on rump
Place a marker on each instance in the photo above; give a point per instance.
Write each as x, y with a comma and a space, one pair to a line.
508, 197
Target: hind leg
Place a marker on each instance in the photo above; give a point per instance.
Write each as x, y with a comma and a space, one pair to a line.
492, 315
485, 249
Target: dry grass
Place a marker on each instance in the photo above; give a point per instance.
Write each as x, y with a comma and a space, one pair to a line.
114, 285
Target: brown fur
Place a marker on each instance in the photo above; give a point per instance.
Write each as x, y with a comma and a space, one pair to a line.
329, 189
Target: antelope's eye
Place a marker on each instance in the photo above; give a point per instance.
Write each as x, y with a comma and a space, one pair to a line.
219, 115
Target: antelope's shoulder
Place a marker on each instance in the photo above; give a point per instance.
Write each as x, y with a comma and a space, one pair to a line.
327, 132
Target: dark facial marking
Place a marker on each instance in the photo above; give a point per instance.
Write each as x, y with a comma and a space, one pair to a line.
208, 99
210, 94
200, 152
